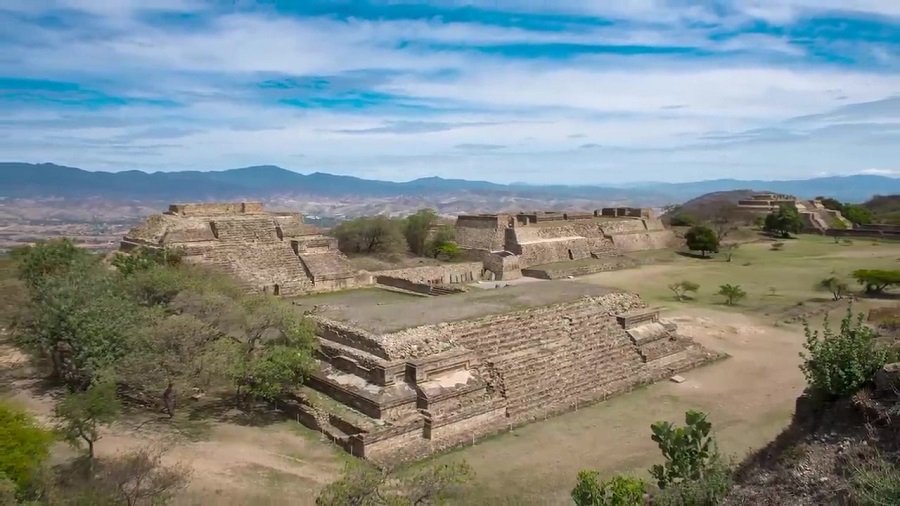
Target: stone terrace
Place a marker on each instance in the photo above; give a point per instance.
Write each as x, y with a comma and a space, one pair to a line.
381, 312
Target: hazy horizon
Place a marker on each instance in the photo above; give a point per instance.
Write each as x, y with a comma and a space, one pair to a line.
567, 92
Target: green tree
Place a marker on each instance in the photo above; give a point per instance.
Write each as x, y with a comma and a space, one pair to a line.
785, 221
82, 321
689, 450
702, 239
169, 357
48, 259
81, 414
732, 293
877, 281
617, 491
838, 364
416, 229
681, 288
271, 352
682, 220
24, 446
375, 234
142, 259
835, 285
857, 214
443, 244
831, 203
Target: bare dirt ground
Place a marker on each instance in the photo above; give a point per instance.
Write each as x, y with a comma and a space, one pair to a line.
280, 463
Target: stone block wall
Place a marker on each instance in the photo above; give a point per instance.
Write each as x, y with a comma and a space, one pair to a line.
447, 274
212, 209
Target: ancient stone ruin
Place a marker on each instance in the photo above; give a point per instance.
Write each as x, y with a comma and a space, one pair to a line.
401, 377
816, 218
427, 358
267, 252
508, 243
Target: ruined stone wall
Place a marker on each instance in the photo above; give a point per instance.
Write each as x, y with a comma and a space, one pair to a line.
643, 241
463, 272
481, 232
211, 209
502, 265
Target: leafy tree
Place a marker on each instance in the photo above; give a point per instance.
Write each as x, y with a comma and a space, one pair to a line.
689, 451
831, 203
24, 446
857, 214
785, 221
681, 288
169, 357
144, 258
48, 259
271, 352
732, 293
416, 229
363, 485
682, 220
376, 234
443, 244
617, 491
839, 364
81, 414
702, 239
835, 285
82, 321
877, 280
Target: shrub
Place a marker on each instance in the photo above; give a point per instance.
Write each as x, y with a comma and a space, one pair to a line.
785, 221
709, 490
834, 285
689, 451
681, 288
732, 293
877, 280
617, 491
839, 364
23, 447
682, 220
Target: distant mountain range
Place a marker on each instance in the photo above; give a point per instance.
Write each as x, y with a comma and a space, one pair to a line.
38, 181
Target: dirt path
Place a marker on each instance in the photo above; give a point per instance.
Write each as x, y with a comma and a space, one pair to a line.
749, 397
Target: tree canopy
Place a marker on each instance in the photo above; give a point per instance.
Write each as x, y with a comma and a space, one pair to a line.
785, 221
370, 234
416, 229
702, 239
877, 281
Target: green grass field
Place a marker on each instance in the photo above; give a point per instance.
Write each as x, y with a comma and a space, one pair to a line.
772, 279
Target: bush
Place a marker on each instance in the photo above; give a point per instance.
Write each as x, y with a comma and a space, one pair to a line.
834, 285
709, 490
839, 364
681, 288
689, 451
732, 293
785, 221
877, 280
23, 447
682, 220
618, 491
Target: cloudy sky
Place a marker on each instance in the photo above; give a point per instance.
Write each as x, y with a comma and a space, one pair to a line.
538, 91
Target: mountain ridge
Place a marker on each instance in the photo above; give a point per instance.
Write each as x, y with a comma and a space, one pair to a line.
46, 180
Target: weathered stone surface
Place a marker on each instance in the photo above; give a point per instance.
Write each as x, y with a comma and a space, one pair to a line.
887, 379
267, 252
552, 237
483, 374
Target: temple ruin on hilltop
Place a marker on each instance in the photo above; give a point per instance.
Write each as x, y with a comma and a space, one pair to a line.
816, 217
267, 252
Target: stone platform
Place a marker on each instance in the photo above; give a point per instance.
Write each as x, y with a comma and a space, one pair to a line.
402, 376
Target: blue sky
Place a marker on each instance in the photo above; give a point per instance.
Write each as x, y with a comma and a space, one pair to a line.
538, 91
